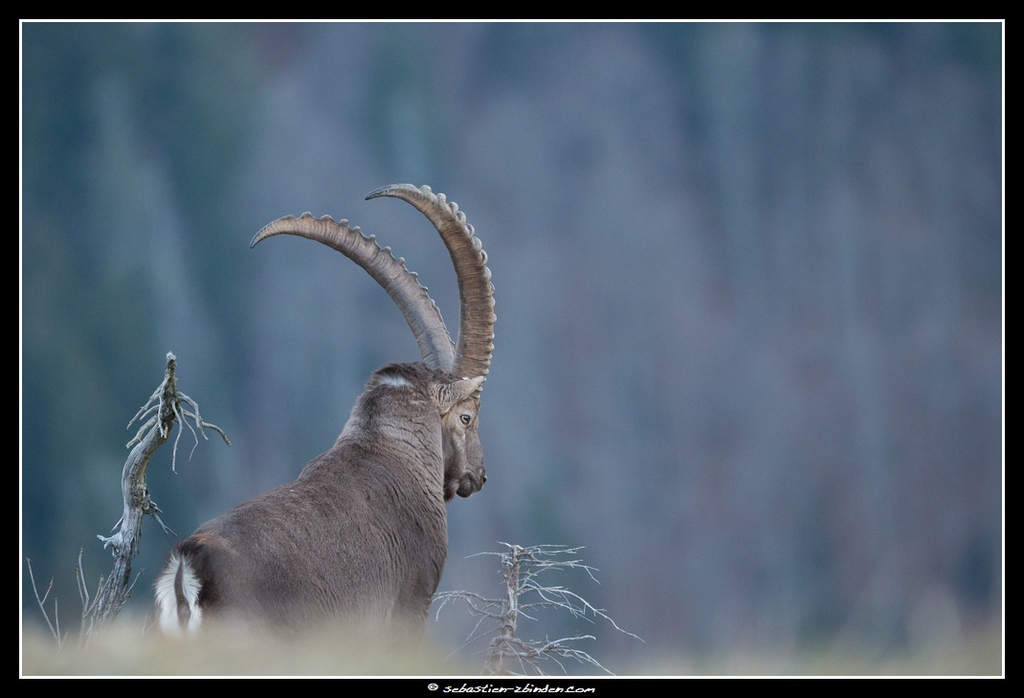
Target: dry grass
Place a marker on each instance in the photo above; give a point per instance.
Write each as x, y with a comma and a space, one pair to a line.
979, 655
125, 651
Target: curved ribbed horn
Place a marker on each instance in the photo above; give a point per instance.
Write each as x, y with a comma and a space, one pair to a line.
476, 294
401, 284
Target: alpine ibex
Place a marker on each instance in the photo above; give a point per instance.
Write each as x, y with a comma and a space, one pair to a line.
361, 535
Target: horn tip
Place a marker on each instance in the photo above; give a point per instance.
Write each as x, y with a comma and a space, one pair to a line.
269, 230
408, 192
392, 190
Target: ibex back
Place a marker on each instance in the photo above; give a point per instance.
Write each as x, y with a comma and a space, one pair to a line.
361, 535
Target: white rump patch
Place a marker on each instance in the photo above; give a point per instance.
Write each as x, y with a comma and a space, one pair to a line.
167, 597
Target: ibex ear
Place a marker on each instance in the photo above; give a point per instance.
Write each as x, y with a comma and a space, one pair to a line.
449, 394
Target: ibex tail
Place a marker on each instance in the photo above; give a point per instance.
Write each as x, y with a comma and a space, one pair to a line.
177, 597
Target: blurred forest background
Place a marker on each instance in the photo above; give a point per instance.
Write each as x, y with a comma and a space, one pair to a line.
748, 289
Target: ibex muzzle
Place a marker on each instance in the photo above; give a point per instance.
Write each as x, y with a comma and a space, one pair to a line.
361, 535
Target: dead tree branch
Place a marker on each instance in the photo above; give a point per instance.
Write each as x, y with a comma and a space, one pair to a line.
524, 595
164, 407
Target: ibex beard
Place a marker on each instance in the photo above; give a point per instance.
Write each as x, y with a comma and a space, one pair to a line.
359, 538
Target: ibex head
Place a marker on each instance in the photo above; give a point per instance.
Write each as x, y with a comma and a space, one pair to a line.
470, 357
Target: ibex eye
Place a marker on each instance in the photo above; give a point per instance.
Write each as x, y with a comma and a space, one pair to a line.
466, 419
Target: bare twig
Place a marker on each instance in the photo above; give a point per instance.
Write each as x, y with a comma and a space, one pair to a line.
520, 567
42, 601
